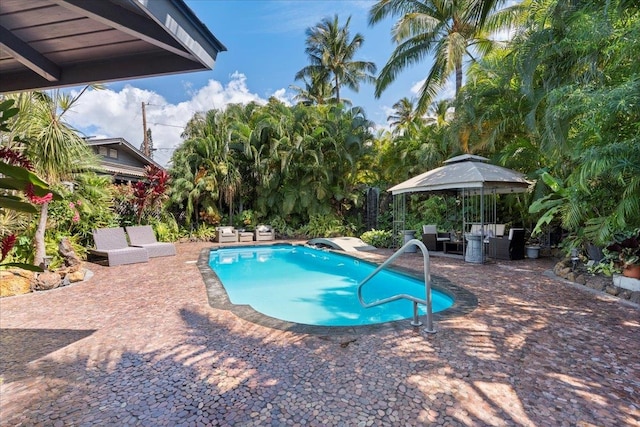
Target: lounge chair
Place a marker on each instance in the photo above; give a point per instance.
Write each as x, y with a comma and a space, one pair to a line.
264, 232
432, 239
226, 234
492, 230
510, 248
143, 236
112, 243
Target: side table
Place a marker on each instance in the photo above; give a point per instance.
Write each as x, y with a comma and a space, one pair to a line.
245, 236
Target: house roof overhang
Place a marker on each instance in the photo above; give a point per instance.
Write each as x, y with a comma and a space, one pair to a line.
55, 43
127, 146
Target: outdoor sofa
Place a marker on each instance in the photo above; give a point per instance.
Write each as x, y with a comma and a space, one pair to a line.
508, 248
226, 234
264, 233
432, 239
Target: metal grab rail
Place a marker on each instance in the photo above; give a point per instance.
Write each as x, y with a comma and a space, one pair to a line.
416, 301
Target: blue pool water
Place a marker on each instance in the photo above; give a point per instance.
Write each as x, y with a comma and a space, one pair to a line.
314, 287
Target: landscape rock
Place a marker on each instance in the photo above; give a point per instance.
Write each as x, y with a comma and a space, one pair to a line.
68, 254
47, 280
76, 276
612, 290
15, 282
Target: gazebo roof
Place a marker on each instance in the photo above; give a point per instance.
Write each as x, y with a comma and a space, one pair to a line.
465, 172
54, 43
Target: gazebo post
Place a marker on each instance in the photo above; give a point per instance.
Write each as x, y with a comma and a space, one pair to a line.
482, 230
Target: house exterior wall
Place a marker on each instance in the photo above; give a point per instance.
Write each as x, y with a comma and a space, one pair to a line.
114, 153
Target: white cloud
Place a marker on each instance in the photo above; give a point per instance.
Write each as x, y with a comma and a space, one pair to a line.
447, 92
110, 114
283, 96
415, 89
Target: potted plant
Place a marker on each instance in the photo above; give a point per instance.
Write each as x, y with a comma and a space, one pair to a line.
532, 247
626, 251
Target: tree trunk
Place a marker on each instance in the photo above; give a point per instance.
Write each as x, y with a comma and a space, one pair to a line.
458, 78
40, 249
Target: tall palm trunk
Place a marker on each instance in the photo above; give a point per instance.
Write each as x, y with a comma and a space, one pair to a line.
40, 249
458, 77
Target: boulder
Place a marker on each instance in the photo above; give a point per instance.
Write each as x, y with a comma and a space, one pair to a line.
76, 276
15, 282
47, 280
69, 256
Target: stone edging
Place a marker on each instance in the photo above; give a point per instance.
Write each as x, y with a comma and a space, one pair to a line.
563, 271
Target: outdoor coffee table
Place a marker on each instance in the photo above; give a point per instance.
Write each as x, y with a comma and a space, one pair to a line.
453, 247
245, 236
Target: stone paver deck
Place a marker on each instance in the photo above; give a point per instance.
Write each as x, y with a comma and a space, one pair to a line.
140, 345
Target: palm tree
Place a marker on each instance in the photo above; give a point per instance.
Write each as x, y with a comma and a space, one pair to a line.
317, 89
55, 149
331, 53
403, 116
448, 30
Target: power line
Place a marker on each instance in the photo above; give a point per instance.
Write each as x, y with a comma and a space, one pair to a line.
172, 126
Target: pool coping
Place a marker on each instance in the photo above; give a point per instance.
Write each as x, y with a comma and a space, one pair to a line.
464, 301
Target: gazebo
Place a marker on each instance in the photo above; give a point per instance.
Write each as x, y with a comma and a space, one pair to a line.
472, 178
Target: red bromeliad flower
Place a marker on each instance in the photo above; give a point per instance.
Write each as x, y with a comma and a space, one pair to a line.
8, 242
15, 158
38, 200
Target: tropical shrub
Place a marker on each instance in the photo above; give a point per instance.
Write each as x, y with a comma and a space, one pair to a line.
81, 211
323, 226
166, 228
282, 226
625, 250
378, 238
18, 177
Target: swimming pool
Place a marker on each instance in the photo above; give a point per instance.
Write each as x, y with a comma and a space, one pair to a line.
314, 287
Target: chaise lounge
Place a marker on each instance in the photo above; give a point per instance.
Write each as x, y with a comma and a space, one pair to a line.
143, 236
112, 244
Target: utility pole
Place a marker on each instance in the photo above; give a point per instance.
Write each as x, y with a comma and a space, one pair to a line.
145, 142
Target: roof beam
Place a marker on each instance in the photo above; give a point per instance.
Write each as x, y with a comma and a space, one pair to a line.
125, 21
108, 69
28, 56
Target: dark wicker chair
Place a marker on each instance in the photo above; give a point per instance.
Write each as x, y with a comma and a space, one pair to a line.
511, 248
433, 240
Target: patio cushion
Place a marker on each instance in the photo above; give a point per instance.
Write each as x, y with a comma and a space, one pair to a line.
144, 237
429, 229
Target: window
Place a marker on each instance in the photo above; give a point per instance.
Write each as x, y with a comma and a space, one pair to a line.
103, 151
113, 153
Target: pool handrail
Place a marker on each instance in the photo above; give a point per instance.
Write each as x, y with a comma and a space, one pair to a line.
416, 301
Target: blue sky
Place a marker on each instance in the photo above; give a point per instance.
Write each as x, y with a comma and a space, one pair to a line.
265, 41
